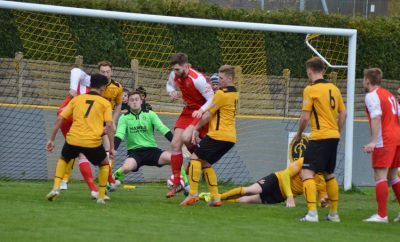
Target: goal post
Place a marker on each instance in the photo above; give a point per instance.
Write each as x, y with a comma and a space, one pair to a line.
349, 34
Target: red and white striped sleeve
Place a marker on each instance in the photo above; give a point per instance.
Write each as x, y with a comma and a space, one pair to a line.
206, 91
373, 104
171, 86
79, 80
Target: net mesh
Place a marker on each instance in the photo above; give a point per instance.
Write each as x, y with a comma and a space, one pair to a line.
246, 50
34, 84
151, 46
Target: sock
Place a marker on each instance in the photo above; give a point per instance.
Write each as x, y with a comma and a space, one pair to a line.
104, 171
396, 188
68, 169
212, 182
60, 169
176, 164
332, 188
233, 194
381, 193
183, 174
87, 174
194, 176
309, 190
110, 177
119, 174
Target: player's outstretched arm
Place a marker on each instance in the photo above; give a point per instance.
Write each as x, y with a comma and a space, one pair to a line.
121, 131
286, 186
375, 127
118, 105
110, 135
116, 113
293, 169
78, 78
171, 87
304, 117
342, 113
305, 113
198, 123
372, 103
160, 126
50, 142
206, 91
341, 119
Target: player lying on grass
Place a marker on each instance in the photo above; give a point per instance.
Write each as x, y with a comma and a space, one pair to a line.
137, 126
277, 187
90, 111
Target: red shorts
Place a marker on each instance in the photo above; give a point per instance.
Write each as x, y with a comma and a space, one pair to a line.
67, 123
386, 157
185, 119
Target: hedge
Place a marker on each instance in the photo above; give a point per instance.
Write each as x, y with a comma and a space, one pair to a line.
378, 37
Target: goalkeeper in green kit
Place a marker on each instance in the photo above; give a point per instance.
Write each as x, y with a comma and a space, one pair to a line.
138, 126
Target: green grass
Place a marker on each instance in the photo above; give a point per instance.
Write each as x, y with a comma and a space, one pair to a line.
143, 214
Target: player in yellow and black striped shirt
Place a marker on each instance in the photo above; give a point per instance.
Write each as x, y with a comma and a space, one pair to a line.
90, 111
323, 107
220, 138
112, 93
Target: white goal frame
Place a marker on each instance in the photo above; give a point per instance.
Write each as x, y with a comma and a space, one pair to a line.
351, 34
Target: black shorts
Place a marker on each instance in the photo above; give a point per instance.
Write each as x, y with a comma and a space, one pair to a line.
146, 156
212, 150
320, 155
94, 155
271, 193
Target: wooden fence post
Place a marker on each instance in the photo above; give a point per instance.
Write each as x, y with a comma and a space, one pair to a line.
333, 76
79, 61
238, 83
135, 70
19, 56
286, 77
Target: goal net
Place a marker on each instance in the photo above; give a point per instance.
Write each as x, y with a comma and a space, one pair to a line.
35, 81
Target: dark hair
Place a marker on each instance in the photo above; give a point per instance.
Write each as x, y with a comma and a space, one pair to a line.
374, 75
98, 81
141, 90
135, 93
179, 58
125, 90
104, 63
315, 64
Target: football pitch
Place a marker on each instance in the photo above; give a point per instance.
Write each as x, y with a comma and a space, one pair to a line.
143, 214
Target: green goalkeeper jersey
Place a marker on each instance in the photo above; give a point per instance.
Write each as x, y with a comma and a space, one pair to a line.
139, 129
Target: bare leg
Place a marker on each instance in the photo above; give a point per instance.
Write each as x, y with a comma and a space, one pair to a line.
250, 199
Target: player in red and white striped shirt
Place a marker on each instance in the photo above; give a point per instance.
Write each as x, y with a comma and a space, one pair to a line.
382, 110
197, 94
79, 84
